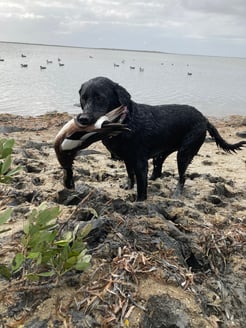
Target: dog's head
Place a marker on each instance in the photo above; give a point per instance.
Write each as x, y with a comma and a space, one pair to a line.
99, 96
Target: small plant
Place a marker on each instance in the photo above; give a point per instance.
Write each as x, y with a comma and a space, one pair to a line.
4, 217
6, 149
43, 253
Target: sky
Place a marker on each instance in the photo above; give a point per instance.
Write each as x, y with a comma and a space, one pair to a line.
201, 27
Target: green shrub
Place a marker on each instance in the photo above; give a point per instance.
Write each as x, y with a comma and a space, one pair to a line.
6, 174
44, 253
6, 149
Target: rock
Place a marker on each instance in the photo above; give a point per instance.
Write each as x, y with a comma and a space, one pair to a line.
223, 190
215, 200
241, 134
165, 312
10, 129
207, 163
100, 227
36, 323
81, 320
71, 197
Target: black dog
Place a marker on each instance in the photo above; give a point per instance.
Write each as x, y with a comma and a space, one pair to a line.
155, 131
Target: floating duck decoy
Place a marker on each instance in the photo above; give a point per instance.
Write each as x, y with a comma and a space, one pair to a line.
141, 69
42, 67
23, 56
61, 64
74, 136
24, 65
189, 73
116, 65
49, 61
59, 59
1, 59
132, 67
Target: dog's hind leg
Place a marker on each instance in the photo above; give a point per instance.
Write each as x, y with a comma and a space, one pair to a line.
157, 166
189, 148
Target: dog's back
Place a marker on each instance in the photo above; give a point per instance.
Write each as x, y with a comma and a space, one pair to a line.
154, 129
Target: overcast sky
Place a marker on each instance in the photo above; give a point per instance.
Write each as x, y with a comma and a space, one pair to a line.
206, 27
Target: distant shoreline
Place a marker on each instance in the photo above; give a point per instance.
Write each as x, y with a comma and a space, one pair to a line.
118, 49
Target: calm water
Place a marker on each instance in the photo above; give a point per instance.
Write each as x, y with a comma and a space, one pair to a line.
216, 87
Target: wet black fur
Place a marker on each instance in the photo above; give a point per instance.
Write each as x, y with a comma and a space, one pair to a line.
155, 131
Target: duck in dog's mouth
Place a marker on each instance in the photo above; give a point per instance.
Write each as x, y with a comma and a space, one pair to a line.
75, 136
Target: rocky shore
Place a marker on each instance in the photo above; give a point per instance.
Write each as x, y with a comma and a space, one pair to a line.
165, 262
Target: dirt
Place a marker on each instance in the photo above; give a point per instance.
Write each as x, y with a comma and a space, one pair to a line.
165, 262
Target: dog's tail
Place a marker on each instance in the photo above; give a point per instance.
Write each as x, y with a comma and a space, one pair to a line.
220, 142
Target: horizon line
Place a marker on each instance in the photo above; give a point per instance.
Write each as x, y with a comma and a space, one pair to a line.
118, 49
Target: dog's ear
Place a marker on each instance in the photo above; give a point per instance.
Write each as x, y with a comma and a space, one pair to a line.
80, 90
123, 95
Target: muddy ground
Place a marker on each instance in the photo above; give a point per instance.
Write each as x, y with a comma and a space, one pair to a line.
166, 262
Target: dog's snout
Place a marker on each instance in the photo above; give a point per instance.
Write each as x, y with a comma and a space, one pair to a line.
83, 119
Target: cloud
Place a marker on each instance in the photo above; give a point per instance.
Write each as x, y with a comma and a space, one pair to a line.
156, 21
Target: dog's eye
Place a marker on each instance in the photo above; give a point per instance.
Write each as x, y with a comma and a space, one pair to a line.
83, 101
83, 97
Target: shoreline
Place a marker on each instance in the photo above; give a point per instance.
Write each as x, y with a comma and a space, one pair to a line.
55, 112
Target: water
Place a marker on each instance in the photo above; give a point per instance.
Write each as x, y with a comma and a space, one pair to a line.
216, 87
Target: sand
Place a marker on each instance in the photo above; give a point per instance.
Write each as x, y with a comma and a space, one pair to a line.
178, 261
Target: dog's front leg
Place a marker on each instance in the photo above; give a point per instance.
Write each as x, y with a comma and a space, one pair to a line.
131, 178
68, 178
141, 171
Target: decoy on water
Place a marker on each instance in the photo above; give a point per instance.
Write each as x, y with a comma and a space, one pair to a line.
42, 67
24, 65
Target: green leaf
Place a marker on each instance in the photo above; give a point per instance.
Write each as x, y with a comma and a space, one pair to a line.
61, 243
6, 165
26, 228
46, 274
81, 266
47, 215
87, 258
17, 262
85, 231
33, 255
32, 276
71, 261
5, 272
6, 152
4, 216
14, 171
68, 238
9, 143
